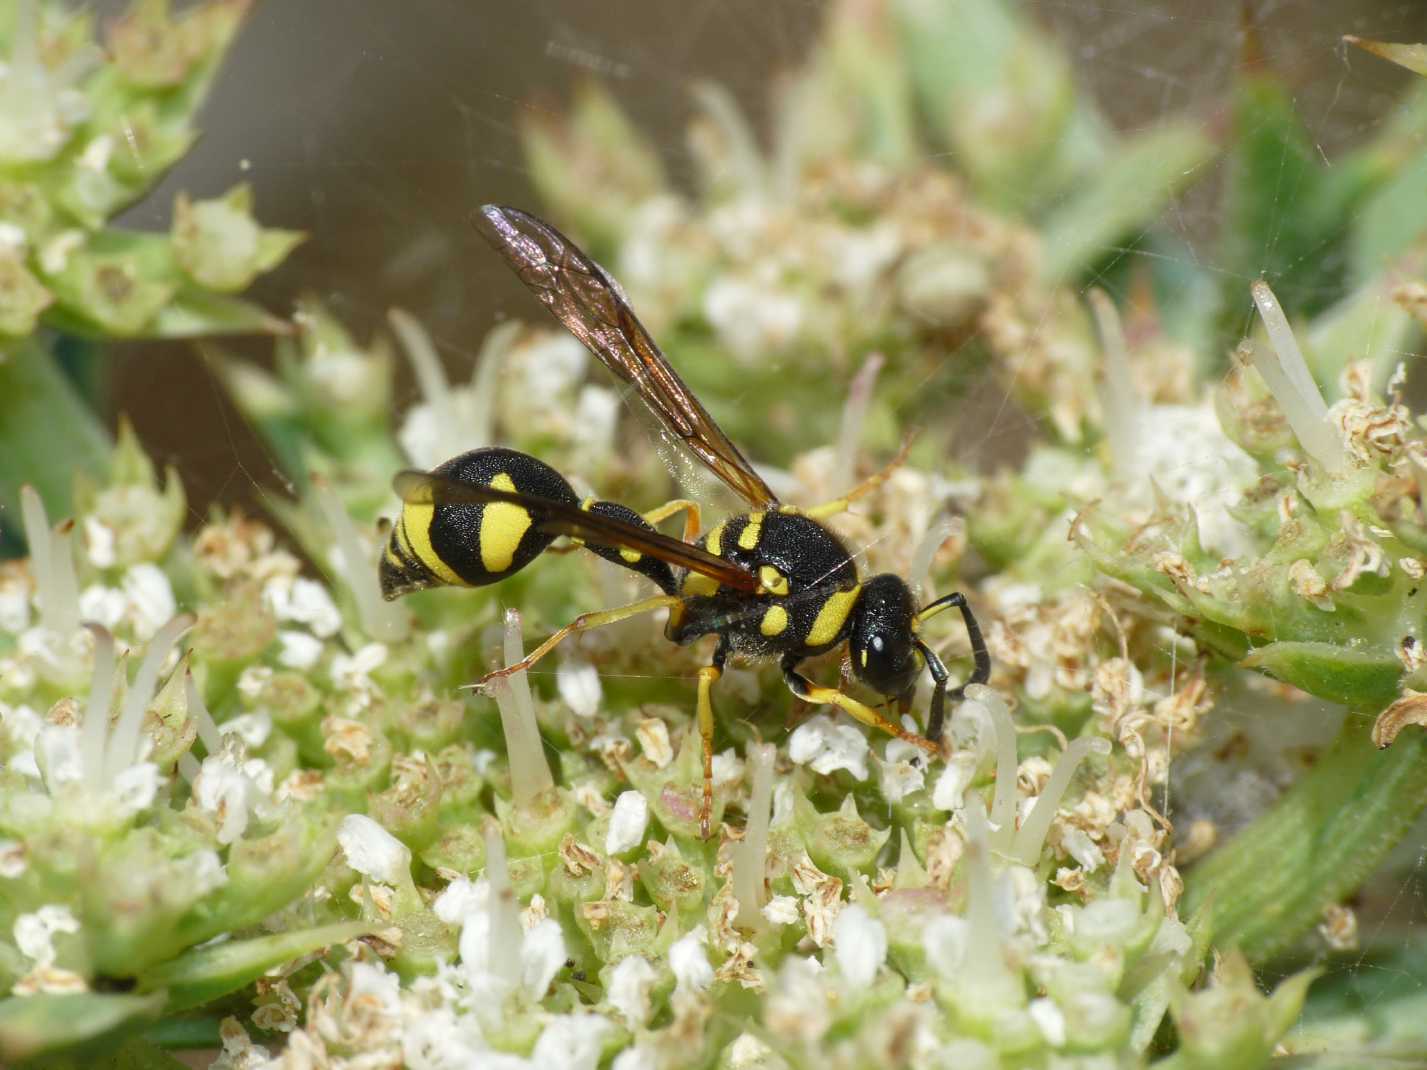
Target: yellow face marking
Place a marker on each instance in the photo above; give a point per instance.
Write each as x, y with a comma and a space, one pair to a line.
864, 657
775, 621
696, 583
752, 532
832, 616
771, 581
414, 529
503, 525
714, 542
632, 556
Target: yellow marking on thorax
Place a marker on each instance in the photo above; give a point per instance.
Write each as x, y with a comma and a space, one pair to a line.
696, 583
632, 556
414, 529
714, 542
752, 532
503, 525
832, 616
775, 621
771, 581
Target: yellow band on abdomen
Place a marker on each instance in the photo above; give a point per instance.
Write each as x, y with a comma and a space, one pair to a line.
414, 529
503, 525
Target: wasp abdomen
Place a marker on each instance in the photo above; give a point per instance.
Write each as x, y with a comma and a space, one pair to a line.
646, 565
467, 544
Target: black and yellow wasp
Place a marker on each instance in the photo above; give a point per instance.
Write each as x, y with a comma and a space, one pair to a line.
772, 582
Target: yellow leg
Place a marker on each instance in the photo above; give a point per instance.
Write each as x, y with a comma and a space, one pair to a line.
867, 486
692, 522
707, 675
811, 692
584, 622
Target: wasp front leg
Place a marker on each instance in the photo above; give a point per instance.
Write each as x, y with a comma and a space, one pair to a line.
810, 692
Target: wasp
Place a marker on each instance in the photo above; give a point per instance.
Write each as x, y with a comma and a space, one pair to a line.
770, 582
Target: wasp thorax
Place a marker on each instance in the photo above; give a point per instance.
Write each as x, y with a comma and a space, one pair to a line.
881, 641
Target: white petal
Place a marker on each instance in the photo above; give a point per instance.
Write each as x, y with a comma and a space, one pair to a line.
827, 746
690, 963
135, 788
373, 851
627, 823
861, 945
571, 1042
579, 686
628, 992
299, 649
542, 956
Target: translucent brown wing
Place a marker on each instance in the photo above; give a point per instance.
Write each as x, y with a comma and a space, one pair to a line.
593, 308
558, 518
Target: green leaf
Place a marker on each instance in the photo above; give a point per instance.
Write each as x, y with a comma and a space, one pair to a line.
1356, 678
49, 433
1271, 882
204, 974
31, 1025
1125, 195
195, 313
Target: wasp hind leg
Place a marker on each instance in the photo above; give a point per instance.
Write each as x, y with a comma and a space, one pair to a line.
707, 677
692, 516
583, 623
867, 486
810, 692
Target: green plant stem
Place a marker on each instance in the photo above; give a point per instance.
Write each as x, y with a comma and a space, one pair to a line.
1271, 882
50, 434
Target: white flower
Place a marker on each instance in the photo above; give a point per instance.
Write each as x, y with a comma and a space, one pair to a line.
1050, 1019
950, 789
690, 963
353, 670
303, 601
1082, 848
13, 862
103, 605
781, 910
299, 650
437, 1038
232, 790
946, 941
826, 746
638, 1057
14, 603
150, 598
860, 941
460, 898
99, 539
751, 318
542, 956
373, 851
571, 1042
252, 728
903, 770
596, 418
727, 767
135, 787
206, 873
627, 823
628, 991
579, 686
541, 949
34, 933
